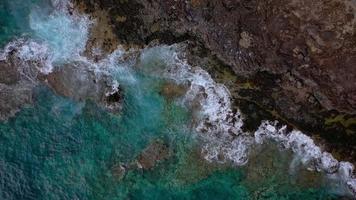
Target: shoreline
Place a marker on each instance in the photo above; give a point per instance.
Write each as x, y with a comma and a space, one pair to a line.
263, 90
218, 106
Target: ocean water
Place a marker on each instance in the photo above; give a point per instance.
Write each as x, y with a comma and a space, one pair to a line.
15, 16
62, 149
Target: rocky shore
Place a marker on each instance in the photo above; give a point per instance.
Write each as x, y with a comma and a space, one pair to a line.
288, 60
291, 61
249, 99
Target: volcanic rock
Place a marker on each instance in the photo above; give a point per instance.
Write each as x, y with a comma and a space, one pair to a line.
78, 82
299, 55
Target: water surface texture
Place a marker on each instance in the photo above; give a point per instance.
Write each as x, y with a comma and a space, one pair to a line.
59, 148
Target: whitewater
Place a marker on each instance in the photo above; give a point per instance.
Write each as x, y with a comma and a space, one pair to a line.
62, 38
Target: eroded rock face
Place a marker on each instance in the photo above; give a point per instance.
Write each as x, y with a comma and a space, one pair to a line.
297, 56
77, 82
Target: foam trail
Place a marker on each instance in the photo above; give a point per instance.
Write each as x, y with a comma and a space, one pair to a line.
58, 38
65, 34
310, 155
116, 64
62, 38
220, 128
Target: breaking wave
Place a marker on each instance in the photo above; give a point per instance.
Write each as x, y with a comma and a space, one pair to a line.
62, 38
58, 38
220, 127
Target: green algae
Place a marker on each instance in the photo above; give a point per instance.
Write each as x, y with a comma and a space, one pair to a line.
342, 119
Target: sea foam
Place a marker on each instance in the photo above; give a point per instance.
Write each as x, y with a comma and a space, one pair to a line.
55, 39
62, 38
220, 128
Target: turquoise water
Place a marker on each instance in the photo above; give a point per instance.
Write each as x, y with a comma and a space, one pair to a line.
15, 17
61, 149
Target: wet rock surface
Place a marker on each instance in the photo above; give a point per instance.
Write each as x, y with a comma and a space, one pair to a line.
77, 82
19, 77
294, 59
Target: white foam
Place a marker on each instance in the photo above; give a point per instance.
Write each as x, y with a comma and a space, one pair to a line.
220, 128
62, 38
61, 4
59, 38
115, 64
13, 45
65, 34
309, 154
217, 126
303, 146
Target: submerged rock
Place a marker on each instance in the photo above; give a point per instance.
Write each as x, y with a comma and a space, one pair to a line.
172, 91
119, 171
18, 78
152, 155
148, 159
77, 81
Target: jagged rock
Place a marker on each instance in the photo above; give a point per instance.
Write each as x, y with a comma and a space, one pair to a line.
298, 54
310, 46
8, 73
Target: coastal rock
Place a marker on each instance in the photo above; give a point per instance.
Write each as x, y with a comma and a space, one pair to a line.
299, 55
18, 78
77, 81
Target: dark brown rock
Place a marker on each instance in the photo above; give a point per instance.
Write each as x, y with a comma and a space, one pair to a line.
298, 55
8, 73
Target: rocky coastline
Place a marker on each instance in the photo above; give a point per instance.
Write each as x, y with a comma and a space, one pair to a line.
277, 61
293, 61
268, 88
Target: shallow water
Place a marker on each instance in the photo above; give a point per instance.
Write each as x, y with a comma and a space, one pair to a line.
61, 149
